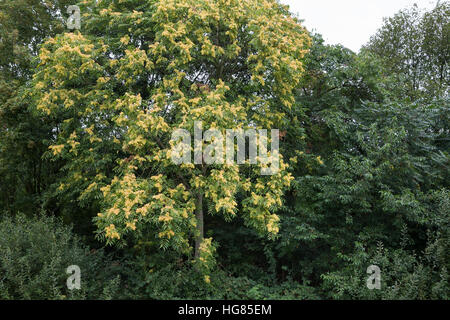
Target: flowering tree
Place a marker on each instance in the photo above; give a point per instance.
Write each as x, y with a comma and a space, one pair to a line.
136, 72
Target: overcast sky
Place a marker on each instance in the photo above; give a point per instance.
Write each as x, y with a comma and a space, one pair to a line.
349, 22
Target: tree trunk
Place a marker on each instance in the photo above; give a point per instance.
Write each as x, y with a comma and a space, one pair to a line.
200, 231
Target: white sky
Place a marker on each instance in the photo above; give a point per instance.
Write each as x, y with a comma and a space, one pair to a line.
349, 22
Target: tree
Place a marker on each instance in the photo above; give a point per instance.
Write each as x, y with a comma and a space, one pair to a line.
367, 165
414, 49
24, 25
227, 64
435, 26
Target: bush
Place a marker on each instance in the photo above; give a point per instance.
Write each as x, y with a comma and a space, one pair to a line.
34, 256
147, 277
404, 275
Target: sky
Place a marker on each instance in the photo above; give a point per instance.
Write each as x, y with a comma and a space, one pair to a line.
349, 22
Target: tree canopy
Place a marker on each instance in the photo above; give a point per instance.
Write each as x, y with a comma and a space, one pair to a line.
356, 174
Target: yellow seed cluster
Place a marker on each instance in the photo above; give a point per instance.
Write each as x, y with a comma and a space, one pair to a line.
111, 232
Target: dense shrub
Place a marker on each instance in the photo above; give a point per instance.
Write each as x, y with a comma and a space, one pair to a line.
405, 273
178, 282
404, 276
181, 280
34, 256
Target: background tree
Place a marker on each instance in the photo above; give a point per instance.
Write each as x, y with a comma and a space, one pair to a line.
24, 25
415, 49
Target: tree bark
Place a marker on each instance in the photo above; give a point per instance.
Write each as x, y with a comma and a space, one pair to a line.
200, 229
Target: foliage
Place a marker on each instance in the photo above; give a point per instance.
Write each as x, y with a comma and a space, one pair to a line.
416, 44
86, 119
25, 24
406, 274
116, 108
34, 256
149, 274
